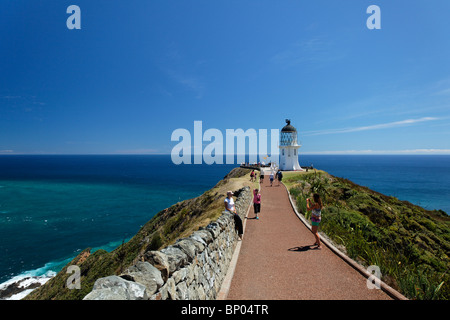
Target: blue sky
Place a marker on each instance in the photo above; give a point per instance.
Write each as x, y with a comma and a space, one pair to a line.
138, 70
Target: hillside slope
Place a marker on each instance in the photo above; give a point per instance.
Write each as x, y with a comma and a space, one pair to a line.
163, 229
410, 244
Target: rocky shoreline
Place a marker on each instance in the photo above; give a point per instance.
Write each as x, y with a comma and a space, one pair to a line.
174, 257
18, 289
188, 269
203, 214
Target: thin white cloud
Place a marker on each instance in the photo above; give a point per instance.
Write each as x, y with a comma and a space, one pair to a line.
443, 92
372, 127
191, 83
314, 50
11, 97
440, 88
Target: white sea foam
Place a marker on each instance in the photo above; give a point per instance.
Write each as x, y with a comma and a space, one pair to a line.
29, 278
43, 274
24, 281
20, 295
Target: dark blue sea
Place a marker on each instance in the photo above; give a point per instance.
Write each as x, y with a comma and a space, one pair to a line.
52, 207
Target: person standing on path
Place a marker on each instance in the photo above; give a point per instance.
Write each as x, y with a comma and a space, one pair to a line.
316, 216
252, 174
256, 202
229, 206
279, 176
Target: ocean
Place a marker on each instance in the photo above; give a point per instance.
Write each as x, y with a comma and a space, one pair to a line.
54, 206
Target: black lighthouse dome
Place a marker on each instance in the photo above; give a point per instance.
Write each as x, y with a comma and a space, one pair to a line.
288, 127
288, 136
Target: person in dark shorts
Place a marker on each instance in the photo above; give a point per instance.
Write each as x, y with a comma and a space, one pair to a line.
252, 175
229, 206
261, 177
256, 202
279, 176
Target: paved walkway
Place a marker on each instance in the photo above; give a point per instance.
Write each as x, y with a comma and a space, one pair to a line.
277, 262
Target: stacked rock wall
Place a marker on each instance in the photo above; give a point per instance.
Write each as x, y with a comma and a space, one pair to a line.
191, 269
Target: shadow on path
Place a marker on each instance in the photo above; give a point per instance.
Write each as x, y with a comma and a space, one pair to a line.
268, 267
303, 248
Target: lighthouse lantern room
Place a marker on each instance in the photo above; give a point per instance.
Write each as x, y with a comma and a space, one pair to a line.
289, 148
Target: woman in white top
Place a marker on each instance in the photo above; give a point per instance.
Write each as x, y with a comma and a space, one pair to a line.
229, 205
229, 202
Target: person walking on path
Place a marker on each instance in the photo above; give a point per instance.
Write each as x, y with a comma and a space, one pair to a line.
316, 216
252, 174
261, 177
279, 176
271, 178
229, 206
299, 274
256, 203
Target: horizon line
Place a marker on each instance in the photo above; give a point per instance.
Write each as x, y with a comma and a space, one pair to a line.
351, 152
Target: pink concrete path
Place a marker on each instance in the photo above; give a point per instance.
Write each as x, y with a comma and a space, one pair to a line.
278, 262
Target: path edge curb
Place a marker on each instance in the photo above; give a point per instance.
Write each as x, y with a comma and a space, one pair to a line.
386, 288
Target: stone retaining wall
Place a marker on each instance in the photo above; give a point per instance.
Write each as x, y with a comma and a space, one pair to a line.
191, 269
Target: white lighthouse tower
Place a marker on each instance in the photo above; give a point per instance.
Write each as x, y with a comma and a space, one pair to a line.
289, 148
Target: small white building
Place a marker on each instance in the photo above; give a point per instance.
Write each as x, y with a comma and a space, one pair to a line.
289, 148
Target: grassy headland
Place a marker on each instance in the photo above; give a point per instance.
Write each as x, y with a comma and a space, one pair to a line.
408, 243
163, 229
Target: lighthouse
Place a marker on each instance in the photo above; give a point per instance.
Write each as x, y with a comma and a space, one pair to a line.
289, 148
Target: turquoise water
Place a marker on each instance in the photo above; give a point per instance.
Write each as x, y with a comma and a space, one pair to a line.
420, 179
52, 207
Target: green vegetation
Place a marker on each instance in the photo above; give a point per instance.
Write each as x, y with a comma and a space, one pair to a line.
163, 229
408, 243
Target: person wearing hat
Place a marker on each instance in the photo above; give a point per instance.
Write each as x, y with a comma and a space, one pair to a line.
229, 206
271, 178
